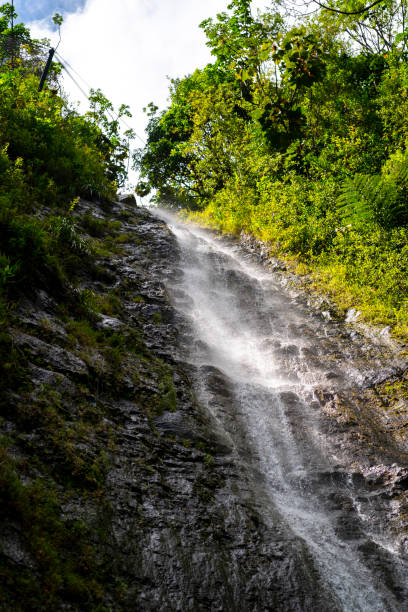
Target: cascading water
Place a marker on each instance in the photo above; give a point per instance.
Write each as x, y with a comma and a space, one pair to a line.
265, 354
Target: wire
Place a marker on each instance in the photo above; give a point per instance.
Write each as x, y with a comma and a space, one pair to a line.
73, 79
130, 128
65, 63
39, 44
73, 69
87, 97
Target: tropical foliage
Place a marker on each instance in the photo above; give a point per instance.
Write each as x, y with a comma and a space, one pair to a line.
49, 156
297, 132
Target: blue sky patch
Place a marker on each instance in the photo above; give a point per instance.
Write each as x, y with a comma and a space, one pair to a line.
29, 10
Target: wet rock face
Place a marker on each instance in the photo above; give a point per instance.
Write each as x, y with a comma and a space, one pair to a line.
54, 356
152, 509
154, 490
297, 396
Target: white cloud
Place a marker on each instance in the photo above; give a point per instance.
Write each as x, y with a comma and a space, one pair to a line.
128, 47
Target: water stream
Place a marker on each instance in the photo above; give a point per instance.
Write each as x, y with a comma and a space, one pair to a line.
260, 355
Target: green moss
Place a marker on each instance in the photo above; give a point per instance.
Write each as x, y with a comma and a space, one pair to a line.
168, 399
66, 561
397, 389
83, 332
98, 228
208, 460
62, 442
109, 304
123, 237
13, 364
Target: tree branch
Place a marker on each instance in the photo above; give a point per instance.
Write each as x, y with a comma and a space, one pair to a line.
363, 10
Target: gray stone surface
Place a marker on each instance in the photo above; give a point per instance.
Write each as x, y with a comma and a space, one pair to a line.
182, 524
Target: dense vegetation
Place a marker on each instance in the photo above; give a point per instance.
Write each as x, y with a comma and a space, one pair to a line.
50, 156
297, 134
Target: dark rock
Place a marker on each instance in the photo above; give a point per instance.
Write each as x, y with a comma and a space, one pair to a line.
57, 357
402, 482
127, 198
175, 507
323, 396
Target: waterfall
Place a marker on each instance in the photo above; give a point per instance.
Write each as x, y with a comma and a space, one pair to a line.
259, 355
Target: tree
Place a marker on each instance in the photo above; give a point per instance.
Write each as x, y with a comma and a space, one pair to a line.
377, 27
167, 164
243, 43
113, 145
12, 37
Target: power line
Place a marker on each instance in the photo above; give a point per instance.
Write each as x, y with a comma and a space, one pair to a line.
37, 43
61, 60
65, 63
73, 69
73, 79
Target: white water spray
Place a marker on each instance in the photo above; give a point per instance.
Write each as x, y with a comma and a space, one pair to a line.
273, 354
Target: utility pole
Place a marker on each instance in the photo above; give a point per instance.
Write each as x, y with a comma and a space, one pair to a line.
12, 35
46, 69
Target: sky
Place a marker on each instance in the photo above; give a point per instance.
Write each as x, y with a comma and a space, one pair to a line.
30, 10
127, 48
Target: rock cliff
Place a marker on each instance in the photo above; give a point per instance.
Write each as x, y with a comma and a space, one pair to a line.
118, 493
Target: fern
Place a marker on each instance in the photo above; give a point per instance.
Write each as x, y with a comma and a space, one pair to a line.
380, 198
356, 197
